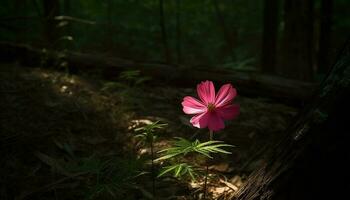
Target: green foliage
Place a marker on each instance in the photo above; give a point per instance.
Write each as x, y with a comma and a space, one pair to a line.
147, 132
179, 170
100, 177
130, 29
114, 177
181, 148
147, 136
184, 147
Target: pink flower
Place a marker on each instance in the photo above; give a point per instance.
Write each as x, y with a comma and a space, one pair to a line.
211, 110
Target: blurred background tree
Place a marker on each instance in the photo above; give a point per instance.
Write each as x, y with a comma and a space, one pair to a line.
295, 39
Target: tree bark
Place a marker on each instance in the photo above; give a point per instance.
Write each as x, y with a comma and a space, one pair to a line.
269, 42
325, 36
312, 161
297, 44
163, 31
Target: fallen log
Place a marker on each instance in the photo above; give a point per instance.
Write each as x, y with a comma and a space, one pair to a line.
248, 83
313, 160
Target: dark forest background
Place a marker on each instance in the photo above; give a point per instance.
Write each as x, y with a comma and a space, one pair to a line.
79, 77
296, 39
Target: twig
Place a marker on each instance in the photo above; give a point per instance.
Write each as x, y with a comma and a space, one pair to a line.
69, 18
229, 185
152, 169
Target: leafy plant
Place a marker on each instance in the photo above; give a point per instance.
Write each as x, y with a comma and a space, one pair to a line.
179, 170
114, 177
182, 147
147, 132
101, 177
147, 136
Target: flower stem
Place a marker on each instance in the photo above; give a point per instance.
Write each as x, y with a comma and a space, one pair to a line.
207, 169
152, 169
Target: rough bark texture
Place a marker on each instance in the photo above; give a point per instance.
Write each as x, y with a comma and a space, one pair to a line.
248, 83
312, 161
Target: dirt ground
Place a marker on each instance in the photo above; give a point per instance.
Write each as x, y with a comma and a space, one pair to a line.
72, 137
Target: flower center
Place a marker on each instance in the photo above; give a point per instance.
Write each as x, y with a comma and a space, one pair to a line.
211, 107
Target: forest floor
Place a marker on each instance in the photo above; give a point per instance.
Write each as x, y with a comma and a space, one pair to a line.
72, 137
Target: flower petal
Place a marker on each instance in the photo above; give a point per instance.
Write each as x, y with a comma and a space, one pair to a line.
193, 106
225, 95
200, 120
215, 123
206, 92
228, 112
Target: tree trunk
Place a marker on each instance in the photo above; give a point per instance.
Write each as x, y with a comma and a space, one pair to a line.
163, 30
297, 47
109, 32
178, 32
51, 9
225, 31
269, 43
21, 6
313, 160
67, 12
325, 36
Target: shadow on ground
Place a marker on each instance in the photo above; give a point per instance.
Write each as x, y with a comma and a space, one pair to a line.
68, 137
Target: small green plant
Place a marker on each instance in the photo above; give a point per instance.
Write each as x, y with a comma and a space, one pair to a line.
147, 136
181, 148
100, 177
179, 170
209, 112
113, 178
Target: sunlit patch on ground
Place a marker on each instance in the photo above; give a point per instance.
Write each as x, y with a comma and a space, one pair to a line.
138, 122
55, 120
219, 187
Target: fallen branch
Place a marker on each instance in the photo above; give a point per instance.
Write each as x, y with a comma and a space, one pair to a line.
248, 83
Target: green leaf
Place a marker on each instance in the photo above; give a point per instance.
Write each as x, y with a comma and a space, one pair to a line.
178, 170
166, 170
183, 147
167, 156
208, 143
201, 151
